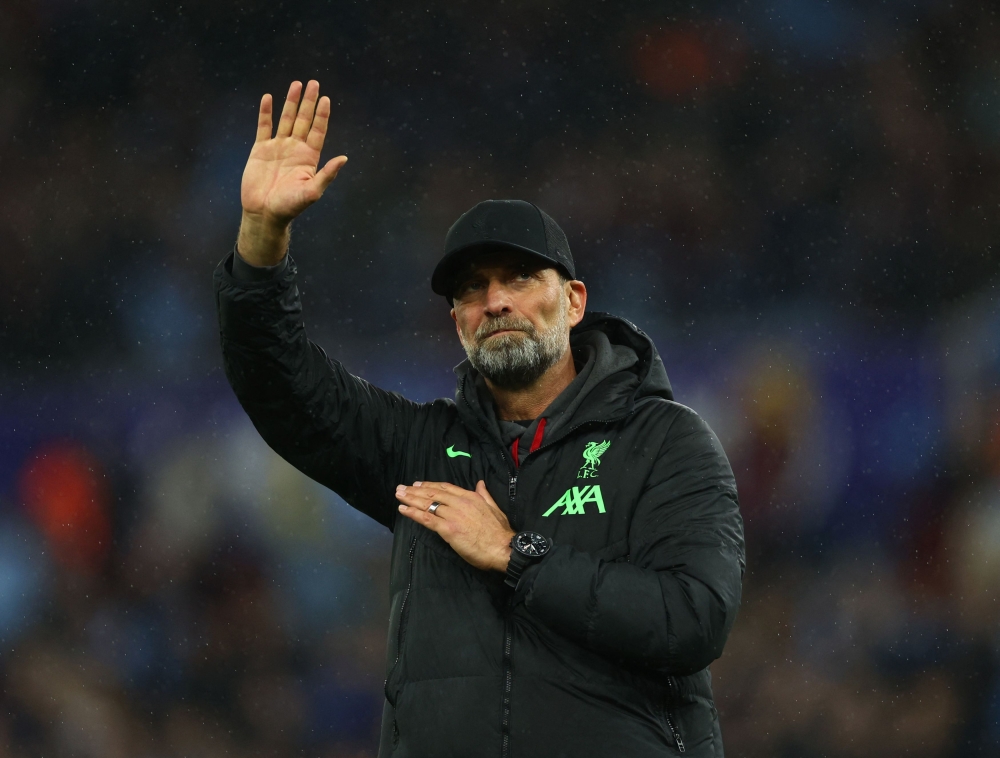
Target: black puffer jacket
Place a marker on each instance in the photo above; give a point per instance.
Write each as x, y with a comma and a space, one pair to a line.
604, 647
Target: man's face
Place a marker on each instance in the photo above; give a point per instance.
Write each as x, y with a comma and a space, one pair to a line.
513, 317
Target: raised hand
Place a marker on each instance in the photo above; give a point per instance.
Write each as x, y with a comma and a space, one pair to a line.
281, 178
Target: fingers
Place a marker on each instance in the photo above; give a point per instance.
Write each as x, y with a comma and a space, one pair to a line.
454, 500
414, 504
410, 497
446, 487
417, 497
464, 519
264, 119
291, 106
423, 518
306, 121
426, 493
317, 134
306, 111
424, 504
452, 492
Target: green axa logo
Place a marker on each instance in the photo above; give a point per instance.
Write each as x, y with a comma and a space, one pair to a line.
575, 498
592, 459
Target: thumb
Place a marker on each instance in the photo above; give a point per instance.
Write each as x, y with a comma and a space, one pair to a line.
485, 494
329, 172
498, 514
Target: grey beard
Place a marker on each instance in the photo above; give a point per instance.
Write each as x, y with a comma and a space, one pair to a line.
516, 361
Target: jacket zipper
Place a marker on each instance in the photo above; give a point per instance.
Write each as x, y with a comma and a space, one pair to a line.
402, 612
508, 632
670, 721
508, 674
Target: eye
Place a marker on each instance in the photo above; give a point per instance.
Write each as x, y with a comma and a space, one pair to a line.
467, 287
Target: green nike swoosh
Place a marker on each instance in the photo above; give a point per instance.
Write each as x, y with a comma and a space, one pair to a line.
453, 453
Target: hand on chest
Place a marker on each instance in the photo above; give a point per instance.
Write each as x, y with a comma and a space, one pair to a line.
581, 490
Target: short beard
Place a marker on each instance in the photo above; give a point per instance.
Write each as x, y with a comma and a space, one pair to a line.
516, 361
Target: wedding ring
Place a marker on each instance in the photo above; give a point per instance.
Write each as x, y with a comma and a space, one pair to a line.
434, 506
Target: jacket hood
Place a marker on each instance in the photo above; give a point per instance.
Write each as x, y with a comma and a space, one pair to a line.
620, 366
649, 370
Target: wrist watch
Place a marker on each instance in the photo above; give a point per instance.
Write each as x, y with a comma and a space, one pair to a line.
526, 548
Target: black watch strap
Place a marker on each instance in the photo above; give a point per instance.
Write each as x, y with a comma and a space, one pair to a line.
515, 567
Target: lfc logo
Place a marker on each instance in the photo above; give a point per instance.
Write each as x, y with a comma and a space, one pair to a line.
592, 459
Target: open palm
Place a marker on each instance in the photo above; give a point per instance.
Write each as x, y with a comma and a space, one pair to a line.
281, 178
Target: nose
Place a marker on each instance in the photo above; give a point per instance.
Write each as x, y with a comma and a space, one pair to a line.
498, 301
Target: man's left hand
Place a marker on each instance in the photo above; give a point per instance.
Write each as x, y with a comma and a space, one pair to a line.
469, 521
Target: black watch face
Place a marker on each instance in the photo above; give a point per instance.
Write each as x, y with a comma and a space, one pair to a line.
531, 543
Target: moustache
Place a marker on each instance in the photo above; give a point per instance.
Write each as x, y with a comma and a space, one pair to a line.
503, 323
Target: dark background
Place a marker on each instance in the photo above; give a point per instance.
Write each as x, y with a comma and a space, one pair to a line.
797, 200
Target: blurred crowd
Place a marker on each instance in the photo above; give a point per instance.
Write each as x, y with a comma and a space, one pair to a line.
798, 201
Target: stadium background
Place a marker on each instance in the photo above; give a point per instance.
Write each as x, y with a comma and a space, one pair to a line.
797, 200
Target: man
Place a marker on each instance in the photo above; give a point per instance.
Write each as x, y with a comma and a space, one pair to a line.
568, 549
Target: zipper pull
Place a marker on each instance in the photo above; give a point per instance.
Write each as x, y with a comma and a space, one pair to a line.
678, 740
670, 722
511, 493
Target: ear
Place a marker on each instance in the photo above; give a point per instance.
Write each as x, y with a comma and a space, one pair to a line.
458, 329
576, 291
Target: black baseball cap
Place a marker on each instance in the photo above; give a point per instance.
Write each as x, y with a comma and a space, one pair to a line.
501, 225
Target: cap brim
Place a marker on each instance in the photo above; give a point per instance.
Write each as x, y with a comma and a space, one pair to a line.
443, 279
